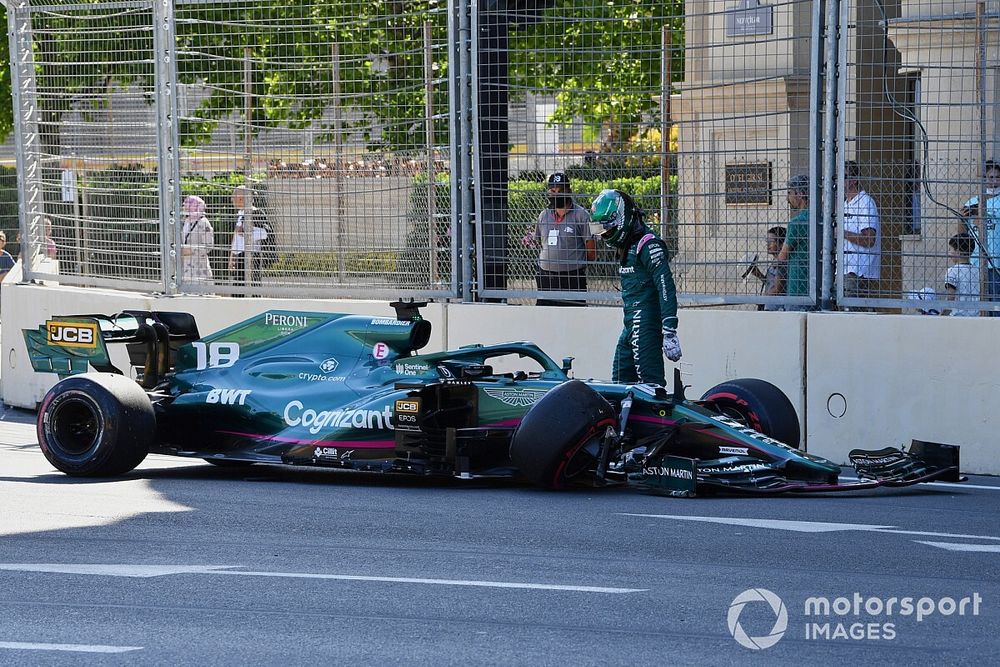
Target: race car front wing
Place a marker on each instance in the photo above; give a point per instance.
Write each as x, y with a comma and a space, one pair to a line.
890, 467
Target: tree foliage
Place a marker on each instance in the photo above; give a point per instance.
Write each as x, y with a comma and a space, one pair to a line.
600, 60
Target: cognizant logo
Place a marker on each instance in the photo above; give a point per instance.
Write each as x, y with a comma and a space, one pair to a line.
754, 596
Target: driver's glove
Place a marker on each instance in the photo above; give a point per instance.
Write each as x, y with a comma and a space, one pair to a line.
671, 346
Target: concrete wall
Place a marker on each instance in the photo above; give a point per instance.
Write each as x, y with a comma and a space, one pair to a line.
903, 377
857, 380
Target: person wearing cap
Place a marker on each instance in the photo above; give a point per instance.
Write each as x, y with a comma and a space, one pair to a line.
563, 232
795, 249
862, 237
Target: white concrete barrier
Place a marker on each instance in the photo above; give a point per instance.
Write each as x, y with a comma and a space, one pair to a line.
878, 381
857, 380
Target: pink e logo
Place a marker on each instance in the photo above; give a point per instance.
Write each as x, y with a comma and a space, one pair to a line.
380, 351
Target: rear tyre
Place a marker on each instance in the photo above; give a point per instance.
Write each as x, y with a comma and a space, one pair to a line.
759, 405
95, 425
558, 440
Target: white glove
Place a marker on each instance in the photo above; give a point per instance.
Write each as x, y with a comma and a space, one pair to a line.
671, 346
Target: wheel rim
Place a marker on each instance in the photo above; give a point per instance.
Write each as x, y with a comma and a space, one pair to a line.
584, 461
76, 426
737, 413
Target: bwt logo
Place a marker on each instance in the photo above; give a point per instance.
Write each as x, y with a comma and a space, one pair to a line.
780, 619
72, 334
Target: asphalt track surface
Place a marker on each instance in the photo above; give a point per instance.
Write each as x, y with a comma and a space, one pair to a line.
184, 563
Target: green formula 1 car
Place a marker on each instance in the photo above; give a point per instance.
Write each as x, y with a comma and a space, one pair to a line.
352, 392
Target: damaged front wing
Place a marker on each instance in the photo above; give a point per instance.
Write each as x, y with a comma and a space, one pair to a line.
891, 467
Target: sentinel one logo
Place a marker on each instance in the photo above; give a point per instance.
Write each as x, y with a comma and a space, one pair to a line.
780, 618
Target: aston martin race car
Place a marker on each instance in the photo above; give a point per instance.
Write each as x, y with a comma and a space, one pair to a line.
352, 392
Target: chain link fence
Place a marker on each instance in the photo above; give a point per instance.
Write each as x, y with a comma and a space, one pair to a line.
405, 148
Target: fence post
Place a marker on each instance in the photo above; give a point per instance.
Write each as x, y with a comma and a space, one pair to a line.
167, 148
429, 131
464, 177
981, 102
815, 156
31, 205
251, 192
666, 81
833, 122
338, 178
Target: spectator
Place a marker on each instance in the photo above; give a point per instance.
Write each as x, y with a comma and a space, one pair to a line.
648, 294
774, 280
6, 261
197, 240
991, 240
51, 251
862, 237
961, 283
563, 229
237, 254
795, 250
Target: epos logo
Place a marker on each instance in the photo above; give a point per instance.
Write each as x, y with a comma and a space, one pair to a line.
72, 334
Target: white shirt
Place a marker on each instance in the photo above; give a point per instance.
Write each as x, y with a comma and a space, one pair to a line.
259, 234
860, 213
965, 279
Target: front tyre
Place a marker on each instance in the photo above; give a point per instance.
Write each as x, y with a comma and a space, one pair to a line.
759, 405
95, 425
558, 441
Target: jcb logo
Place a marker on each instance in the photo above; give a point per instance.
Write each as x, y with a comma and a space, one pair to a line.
407, 406
72, 334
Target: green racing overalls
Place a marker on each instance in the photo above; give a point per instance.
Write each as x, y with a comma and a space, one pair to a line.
650, 304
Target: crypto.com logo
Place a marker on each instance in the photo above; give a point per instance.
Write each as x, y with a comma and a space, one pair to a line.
780, 621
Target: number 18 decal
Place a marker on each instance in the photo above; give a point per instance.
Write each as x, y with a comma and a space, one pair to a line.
216, 355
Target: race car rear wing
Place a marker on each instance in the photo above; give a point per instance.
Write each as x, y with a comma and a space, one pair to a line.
68, 345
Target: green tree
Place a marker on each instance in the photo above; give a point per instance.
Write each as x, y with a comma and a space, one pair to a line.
600, 60
6, 99
603, 62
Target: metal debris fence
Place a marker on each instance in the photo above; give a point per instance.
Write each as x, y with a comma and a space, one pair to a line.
402, 148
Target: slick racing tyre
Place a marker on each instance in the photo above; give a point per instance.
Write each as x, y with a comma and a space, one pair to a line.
759, 405
95, 425
558, 440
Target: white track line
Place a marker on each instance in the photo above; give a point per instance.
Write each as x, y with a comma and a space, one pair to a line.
439, 582
947, 485
145, 571
958, 546
74, 648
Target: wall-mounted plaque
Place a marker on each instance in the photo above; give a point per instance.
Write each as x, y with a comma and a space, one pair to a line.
749, 17
748, 183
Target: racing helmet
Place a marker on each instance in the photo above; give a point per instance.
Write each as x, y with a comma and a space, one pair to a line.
613, 215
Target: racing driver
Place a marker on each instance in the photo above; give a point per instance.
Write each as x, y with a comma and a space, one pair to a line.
648, 292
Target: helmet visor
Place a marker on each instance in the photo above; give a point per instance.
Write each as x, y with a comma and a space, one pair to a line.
602, 229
